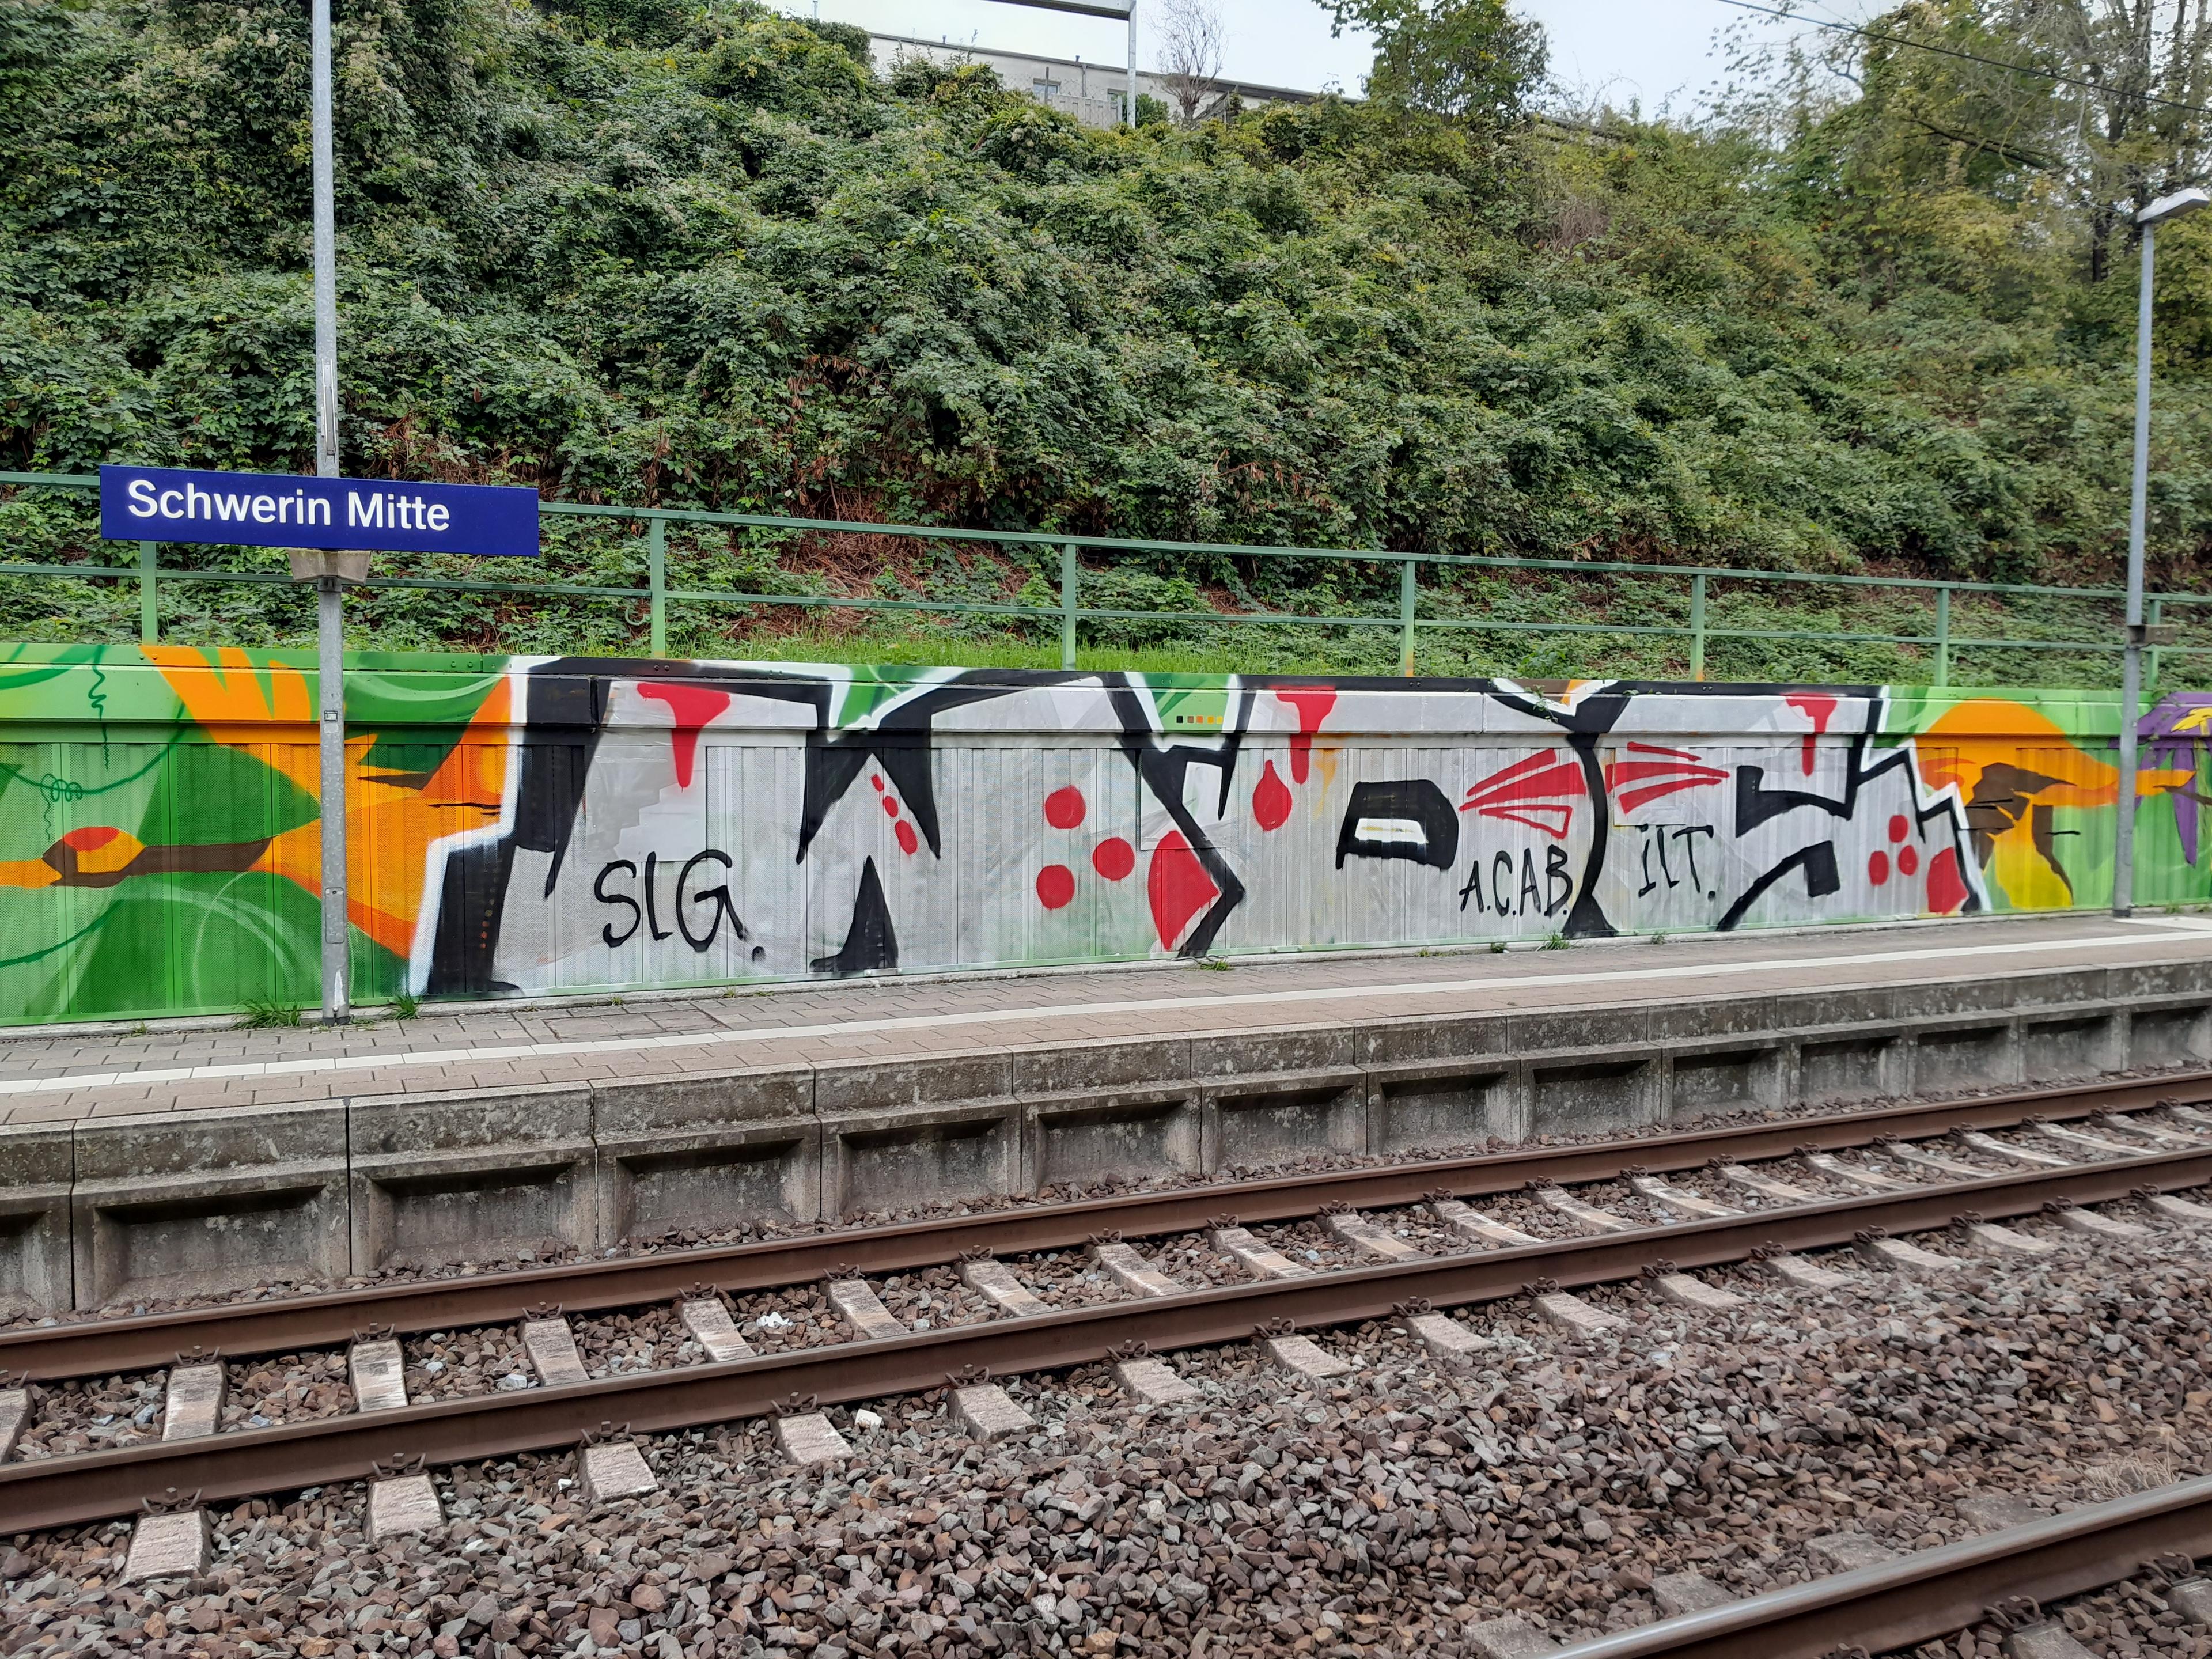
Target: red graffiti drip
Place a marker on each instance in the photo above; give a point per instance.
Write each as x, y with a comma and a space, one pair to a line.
1947, 891
1178, 886
1055, 886
693, 707
1064, 808
907, 840
1271, 799
1114, 858
1312, 703
1819, 709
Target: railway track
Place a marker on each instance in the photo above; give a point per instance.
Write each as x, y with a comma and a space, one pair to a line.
1762, 1198
2013, 1574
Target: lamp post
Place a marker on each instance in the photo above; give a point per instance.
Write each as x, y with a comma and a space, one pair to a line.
2124, 843
324, 569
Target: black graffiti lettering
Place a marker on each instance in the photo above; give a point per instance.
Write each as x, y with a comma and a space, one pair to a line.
1686, 836
1665, 869
1501, 881
651, 908
1473, 888
719, 895
600, 892
1650, 881
1531, 895
1562, 885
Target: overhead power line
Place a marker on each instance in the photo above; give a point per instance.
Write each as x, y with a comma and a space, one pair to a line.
1966, 57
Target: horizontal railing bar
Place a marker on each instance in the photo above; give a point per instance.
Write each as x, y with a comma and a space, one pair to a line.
1055, 540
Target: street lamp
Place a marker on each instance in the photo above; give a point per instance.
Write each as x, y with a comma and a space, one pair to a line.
2124, 845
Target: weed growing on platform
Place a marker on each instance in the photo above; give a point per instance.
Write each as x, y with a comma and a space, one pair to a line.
406, 1005
1555, 942
269, 1016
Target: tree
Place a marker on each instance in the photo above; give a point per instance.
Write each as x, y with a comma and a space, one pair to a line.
1469, 60
1190, 35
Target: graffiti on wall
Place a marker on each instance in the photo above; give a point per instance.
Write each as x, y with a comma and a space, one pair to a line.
546, 824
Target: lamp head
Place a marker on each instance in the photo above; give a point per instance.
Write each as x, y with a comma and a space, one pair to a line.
2172, 207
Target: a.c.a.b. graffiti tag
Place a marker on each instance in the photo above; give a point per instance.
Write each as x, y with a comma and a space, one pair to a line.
684, 902
1514, 889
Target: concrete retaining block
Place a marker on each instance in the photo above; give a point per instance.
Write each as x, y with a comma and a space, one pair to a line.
1081, 1137
169, 1204
927, 1153
37, 1168
1867, 1064
1724, 1074
466, 1175
2168, 1030
1584, 1095
1283, 1114
2078, 1043
1444, 1102
1965, 1052
703, 1151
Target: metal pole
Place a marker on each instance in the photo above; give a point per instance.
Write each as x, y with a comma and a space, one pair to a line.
656, 543
1133, 65
2123, 838
1406, 593
330, 595
2150, 674
1697, 626
1068, 571
149, 609
1942, 637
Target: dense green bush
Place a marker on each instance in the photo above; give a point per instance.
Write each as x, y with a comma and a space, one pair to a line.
628, 250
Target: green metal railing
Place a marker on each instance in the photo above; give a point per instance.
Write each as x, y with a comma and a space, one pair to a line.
1070, 613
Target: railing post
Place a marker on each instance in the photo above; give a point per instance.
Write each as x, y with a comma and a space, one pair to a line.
2157, 616
1697, 626
1069, 570
656, 545
149, 610
1407, 591
1942, 637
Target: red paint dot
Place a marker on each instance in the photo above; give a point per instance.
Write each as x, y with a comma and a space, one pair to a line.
1878, 868
1908, 861
1946, 888
907, 840
89, 840
1898, 829
1271, 799
890, 806
1063, 808
1055, 886
1114, 858
878, 782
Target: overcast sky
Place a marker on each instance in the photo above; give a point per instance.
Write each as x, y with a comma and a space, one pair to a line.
1653, 51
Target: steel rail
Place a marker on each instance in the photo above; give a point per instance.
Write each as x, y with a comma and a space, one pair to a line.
100, 1485
96, 1347
1931, 1593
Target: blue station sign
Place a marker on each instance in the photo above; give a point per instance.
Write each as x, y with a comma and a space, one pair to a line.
282, 509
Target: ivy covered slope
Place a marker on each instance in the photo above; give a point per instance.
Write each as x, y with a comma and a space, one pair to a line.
638, 254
